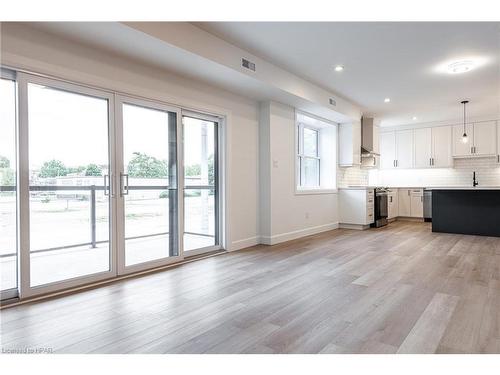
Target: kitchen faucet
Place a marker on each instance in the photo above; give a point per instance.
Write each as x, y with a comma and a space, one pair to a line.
474, 181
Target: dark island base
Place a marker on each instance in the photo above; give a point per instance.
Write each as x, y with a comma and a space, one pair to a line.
475, 212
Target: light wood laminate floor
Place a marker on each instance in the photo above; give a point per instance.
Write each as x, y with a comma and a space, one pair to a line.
397, 289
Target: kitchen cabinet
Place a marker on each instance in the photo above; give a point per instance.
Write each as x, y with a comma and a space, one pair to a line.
404, 149
411, 203
416, 203
441, 147
356, 208
376, 139
498, 142
481, 139
460, 148
349, 144
433, 147
422, 139
396, 149
388, 150
404, 202
392, 203
485, 138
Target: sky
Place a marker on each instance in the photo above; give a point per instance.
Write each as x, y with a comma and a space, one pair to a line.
73, 128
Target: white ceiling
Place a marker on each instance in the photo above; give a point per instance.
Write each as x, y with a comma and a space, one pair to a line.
396, 60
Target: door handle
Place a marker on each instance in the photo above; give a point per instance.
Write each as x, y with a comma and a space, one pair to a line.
123, 187
106, 185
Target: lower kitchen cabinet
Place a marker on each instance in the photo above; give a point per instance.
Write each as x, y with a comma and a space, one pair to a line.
417, 203
411, 202
392, 203
356, 208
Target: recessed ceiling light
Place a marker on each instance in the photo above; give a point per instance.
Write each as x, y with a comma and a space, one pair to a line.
387, 100
459, 67
414, 118
339, 68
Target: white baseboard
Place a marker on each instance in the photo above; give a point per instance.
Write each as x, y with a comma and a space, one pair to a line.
246, 242
282, 237
354, 226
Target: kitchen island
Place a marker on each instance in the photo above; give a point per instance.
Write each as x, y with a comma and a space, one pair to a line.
466, 210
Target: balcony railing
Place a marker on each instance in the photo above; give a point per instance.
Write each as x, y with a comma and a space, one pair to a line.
93, 189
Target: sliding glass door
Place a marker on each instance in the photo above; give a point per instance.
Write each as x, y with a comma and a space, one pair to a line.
65, 138
8, 188
90, 186
148, 198
201, 181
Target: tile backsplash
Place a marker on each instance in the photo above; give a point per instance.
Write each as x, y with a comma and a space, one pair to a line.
352, 176
487, 173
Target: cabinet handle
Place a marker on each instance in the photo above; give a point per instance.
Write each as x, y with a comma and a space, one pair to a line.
390, 199
408, 192
498, 158
430, 161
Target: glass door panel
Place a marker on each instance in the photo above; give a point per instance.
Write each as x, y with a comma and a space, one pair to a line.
8, 190
201, 215
149, 184
69, 170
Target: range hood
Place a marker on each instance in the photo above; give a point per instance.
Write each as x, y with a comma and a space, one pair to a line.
369, 137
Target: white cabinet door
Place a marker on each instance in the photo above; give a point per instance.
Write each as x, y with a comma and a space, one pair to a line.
485, 138
376, 140
392, 202
387, 150
404, 149
417, 203
404, 202
422, 140
441, 147
460, 148
498, 142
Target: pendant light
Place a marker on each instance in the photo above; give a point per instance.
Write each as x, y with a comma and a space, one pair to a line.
465, 139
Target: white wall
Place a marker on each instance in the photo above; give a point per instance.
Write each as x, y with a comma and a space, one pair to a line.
291, 215
26, 48
487, 173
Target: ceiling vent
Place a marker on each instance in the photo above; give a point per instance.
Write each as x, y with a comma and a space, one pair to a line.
248, 64
332, 102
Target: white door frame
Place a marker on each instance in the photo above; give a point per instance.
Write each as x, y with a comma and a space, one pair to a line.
151, 104
25, 289
219, 186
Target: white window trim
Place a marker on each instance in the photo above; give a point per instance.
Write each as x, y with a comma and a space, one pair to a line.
297, 154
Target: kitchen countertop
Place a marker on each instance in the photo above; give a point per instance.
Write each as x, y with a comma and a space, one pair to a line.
483, 187
463, 188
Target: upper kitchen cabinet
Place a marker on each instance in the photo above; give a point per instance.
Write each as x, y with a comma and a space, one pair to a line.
459, 147
433, 147
396, 149
481, 139
423, 147
404, 149
349, 144
441, 147
498, 142
387, 150
485, 138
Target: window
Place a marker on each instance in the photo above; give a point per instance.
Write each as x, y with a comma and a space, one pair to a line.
309, 160
316, 154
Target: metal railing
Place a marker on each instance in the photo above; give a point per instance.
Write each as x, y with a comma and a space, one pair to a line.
93, 218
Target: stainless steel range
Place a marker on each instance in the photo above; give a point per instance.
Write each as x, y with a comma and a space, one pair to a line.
381, 209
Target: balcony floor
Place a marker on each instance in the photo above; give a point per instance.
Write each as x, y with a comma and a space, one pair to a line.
56, 265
